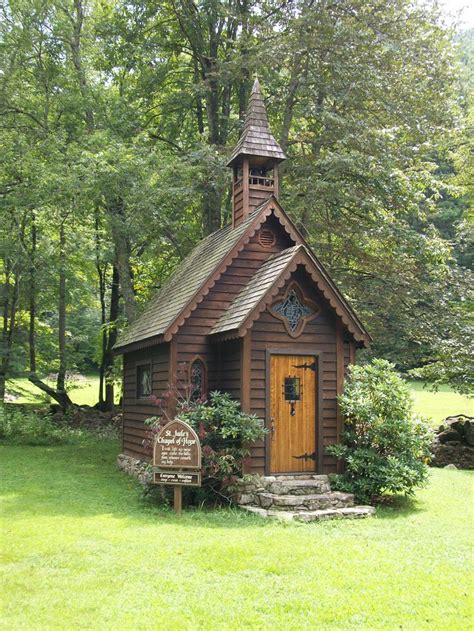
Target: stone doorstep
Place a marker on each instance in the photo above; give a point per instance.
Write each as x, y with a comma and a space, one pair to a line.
306, 502
299, 487
295, 476
279, 483
355, 512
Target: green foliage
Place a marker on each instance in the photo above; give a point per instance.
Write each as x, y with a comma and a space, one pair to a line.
20, 426
124, 106
384, 448
224, 431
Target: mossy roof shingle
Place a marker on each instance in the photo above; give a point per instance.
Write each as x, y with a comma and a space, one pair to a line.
255, 290
184, 284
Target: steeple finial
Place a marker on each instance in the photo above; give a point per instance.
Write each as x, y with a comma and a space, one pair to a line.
257, 139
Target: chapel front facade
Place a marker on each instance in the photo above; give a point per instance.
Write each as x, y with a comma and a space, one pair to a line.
251, 311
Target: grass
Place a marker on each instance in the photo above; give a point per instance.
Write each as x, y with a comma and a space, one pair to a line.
83, 391
81, 551
438, 405
434, 405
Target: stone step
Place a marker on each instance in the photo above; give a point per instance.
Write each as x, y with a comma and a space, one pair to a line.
299, 487
295, 476
354, 512
308, 502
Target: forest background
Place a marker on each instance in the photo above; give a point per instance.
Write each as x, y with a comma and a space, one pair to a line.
116, 122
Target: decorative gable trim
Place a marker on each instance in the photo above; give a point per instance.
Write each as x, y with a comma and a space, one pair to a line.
303, 257
270, 206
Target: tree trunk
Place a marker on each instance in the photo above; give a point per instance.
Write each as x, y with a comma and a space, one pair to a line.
111, 339
122, 256
32, 301
59, 396
61, 380
101, 274
9, 322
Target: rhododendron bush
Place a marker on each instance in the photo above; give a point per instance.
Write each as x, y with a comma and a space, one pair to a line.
225, 433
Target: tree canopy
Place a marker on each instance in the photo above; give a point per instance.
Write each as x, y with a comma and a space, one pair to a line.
117, 118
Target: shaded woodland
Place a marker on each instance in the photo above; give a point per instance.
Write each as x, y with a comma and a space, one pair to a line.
116, 123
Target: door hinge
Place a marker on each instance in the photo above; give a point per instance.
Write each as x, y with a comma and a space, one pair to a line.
310, 366
306, 456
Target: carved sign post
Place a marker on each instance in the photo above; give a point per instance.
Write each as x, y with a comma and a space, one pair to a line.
177, 458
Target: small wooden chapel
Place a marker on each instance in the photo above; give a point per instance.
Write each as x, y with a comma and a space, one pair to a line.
250, 311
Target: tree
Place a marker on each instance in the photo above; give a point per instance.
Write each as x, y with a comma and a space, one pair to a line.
118, 118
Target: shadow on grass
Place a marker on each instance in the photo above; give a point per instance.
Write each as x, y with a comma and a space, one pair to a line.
399, 507
82, 481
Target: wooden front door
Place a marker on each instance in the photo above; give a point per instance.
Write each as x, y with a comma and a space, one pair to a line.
293, 413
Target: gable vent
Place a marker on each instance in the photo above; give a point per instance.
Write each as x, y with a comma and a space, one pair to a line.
266, 238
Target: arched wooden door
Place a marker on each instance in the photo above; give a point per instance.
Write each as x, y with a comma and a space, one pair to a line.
293, 405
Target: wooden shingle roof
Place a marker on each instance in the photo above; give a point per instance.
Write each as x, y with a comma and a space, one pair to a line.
197, 274
265, 285
183, 285
257, 138
254, 291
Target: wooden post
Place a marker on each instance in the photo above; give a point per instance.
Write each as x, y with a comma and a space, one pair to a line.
245, 183
276, 186
178, 499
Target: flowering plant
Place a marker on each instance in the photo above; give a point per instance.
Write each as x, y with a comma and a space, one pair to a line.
223, 429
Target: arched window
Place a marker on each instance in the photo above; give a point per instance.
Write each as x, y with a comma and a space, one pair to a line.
198, 379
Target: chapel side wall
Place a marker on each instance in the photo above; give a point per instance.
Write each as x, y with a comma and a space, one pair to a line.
192, 338
270, 333
136, 411
230, 368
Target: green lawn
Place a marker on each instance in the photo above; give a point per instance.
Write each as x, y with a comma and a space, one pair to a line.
81, 551
83, 391
438, 405
434, 405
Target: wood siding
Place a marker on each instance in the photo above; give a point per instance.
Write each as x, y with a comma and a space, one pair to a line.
136, 411
257, 195
319, 334
238, 366
229, 368
193, 338
238, 207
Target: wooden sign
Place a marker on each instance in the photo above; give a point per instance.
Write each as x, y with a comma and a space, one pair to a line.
177, 458
177, 446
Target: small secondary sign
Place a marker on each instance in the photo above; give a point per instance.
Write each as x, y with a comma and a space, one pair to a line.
189, 478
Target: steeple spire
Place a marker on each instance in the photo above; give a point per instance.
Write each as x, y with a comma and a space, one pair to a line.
257, 140
254, 160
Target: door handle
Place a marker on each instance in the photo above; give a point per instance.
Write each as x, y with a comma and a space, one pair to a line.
272, 426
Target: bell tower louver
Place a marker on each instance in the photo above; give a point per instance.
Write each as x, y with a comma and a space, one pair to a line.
254, 160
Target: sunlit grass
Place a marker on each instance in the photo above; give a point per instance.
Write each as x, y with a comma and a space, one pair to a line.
83, 390
81, 550
434, 405
438, 405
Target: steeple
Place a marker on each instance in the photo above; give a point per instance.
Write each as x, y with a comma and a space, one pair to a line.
254, 160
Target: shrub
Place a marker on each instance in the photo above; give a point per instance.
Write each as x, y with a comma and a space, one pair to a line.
27, 427
224, 431
384, 447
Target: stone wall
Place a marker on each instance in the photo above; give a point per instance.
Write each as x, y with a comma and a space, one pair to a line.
454, 443
138, 469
